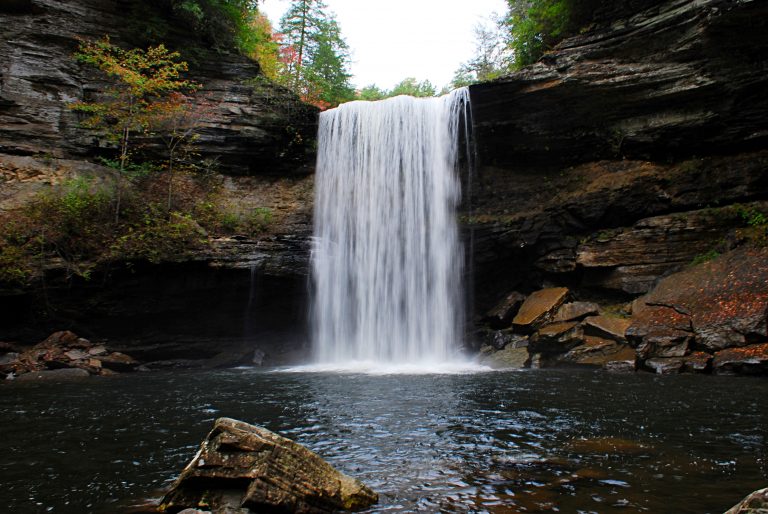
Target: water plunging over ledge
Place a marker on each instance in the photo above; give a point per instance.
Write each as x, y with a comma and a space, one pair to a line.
387, 261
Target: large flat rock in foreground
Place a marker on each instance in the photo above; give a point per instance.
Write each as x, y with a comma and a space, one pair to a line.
242, 466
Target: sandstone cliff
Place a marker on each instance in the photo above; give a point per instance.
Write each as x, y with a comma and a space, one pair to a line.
613, 160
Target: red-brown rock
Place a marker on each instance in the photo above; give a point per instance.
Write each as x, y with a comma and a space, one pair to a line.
539, 308
665, 365
575, 311
659, 331
501, 315
556, 338
605, 326
697, 362
598, 351
719, 304
752, 359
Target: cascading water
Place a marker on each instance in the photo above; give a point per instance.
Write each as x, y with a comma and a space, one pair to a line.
387, 260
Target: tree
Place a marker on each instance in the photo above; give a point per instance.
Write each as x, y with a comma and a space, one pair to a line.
493, 56
412, 87
177, 120
536, 26
225, 23
315, 56
371, 92
266, 47
139, 80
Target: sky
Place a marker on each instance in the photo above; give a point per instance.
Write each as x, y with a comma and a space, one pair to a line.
394, 39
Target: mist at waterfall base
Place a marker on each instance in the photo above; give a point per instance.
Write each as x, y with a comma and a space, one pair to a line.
387, 260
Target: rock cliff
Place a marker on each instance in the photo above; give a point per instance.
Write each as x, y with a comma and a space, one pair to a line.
255, 127
232, 293
613, 161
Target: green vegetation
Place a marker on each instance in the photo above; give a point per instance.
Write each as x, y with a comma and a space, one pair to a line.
705, 257
314, 58
408, 86
520, 37
145, 86
493, 56
752, 216
225, 23
72, 223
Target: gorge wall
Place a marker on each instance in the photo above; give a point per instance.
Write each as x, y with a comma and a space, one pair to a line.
626, 153
614, 160
233, 292
621, 164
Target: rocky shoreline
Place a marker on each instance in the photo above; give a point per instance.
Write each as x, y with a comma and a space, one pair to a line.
709, 318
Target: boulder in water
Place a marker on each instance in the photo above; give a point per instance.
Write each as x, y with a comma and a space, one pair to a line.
752, 359
755, 503
510, 357
246, 469
665, 365
53, 375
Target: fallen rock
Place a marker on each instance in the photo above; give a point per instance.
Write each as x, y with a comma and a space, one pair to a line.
612, 327
665, 365
247, 469
659, 330
721, 304
597, 351
501, 315
499, 339
64, 337
621, 366
755, 503
697, 362
575, 311
557, 338
65, 350
752, 359
507, 358
539, 308
53, 375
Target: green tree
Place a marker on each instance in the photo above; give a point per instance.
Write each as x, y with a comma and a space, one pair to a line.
536, 26
492, 56
225, 23
139, 80
371, 92
412, 87
315, 55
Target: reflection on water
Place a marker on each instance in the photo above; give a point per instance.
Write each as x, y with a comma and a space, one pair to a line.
540, 441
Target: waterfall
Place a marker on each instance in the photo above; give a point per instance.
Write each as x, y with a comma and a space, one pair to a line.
387, 260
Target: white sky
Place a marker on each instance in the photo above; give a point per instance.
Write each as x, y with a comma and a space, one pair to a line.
394, 39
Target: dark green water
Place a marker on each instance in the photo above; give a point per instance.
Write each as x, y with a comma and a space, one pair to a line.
534, 441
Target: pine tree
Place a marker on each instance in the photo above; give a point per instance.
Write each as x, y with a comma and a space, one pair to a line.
315, 55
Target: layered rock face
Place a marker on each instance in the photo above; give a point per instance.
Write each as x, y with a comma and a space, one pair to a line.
254, 127
614, 160
238, 297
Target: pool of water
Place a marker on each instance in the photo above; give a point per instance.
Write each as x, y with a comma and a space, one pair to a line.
503, 442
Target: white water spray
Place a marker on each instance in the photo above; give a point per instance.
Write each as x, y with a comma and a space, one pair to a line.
387, 261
